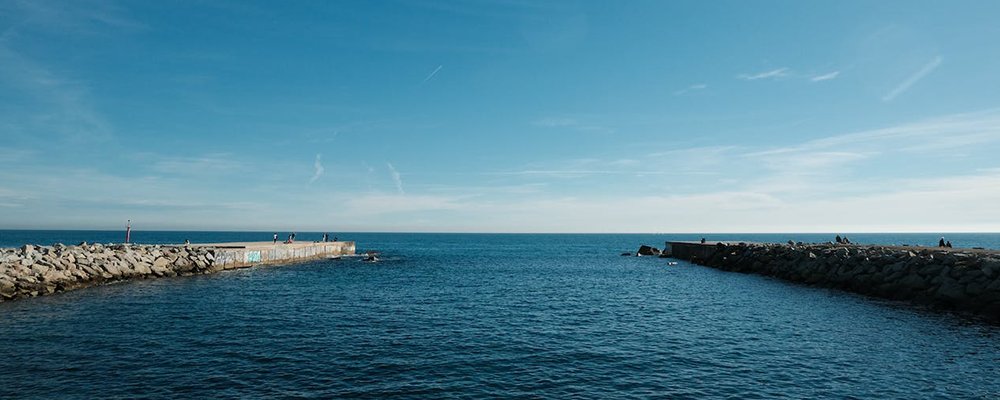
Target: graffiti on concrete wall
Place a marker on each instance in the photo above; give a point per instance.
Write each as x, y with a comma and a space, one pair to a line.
225, 257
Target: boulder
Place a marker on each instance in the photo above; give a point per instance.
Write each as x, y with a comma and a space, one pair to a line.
161, 262
951, 290
914, 281
183, 265
142, 268
7, 289
39, 269
648, 251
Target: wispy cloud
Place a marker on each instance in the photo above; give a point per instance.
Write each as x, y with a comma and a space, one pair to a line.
433, 73
552, 122
825, 77
933, 134
66, 107
571, 123
913, 79
14, 155
772, 74
80, 17
376, 204
208, 164
396, 178
692, 88
317, 168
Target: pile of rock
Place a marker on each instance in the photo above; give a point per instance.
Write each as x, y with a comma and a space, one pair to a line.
967, 280
37, 270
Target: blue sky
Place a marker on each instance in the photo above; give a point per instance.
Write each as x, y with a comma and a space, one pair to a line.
501, 116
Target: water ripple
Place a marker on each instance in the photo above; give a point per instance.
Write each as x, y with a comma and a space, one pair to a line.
502, 322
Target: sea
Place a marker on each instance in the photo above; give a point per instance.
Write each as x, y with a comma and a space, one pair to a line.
488, 316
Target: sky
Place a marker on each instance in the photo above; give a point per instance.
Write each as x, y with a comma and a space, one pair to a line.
501, 116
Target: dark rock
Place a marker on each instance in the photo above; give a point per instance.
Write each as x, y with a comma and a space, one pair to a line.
645, 250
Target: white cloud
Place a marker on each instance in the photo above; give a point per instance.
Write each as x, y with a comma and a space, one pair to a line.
913, 79
396, 178
825, 77
317, 169
772, 74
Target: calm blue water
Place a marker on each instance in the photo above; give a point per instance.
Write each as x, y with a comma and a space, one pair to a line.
455, 315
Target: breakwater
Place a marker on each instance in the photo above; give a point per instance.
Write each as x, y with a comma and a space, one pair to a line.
965, 279
38, 270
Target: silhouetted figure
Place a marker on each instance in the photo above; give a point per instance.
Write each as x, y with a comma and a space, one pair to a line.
846, 240
947, 244
839, 240
941, 242
275, 237
326, 237
703, 240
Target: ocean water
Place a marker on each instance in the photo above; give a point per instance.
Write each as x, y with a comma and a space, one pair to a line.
472, 316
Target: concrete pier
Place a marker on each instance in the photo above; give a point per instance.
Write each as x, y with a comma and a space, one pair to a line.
39, 270
244, 254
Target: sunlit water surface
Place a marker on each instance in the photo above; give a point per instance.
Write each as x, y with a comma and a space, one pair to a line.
487, 316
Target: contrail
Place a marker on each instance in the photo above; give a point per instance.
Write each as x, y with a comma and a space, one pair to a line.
432, 73
928, 68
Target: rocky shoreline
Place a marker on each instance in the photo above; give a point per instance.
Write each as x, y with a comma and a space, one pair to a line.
967, 280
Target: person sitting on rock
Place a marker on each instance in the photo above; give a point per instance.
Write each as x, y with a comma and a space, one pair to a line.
947, 244
941, 242
839, 240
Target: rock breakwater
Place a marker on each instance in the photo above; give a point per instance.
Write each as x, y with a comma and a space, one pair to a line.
38, 270
961, 279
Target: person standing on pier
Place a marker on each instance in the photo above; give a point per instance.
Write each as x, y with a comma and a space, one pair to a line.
275, 237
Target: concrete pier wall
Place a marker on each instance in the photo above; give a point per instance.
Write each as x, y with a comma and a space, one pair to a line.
965, 279
237, 257
38, 270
